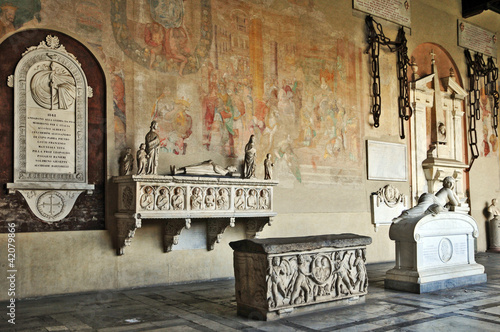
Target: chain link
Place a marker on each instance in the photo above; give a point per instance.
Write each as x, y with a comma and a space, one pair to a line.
376, 38
476, 69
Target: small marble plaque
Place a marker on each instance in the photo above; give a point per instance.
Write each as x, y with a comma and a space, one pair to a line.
477, 39
396, 11
386, 161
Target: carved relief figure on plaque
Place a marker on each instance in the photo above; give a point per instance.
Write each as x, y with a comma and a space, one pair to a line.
301, 290
361, 282
163, 199
53, 87
429, 203
250, 152
147, 198
239, 200
127, 162
196, 199
268, 167
252, 199
223, 199
493, 210
264, 199
178, 199
279, 275
152, 149
345, 283
210, 199
142, 159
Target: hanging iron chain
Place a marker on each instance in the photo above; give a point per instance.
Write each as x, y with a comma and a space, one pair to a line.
404, 107
476, 69
376, 38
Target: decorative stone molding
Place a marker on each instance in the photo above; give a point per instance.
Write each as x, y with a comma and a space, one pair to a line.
50, 130
219, 200
278, 277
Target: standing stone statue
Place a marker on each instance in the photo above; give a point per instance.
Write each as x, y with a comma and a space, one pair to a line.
142, 159
268, 167
152, 149
250, 153
127, 162
494, 222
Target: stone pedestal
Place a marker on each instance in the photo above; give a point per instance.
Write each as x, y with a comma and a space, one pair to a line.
278, 277
434, 253
494, 235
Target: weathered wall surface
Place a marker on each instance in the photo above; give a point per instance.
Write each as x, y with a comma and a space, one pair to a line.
293, 73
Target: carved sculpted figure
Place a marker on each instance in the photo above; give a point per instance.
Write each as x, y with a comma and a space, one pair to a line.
207, 167
196, 199
268, 167
239, 200
344, 278
147, 199
162, 200
178, 199
252, 199
152, 149
127, 162
433, 204
361, 277
493, 210
264, 199
250, 152
278, 275
223, 200
142, 159
301, 288
210, 199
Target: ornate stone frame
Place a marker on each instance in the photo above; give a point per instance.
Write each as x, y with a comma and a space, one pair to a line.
37, 186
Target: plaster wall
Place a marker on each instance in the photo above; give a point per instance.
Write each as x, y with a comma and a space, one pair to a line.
332, 194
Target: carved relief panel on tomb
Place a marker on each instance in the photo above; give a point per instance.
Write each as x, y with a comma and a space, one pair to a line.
50, 129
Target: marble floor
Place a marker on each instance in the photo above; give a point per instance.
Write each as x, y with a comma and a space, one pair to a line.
210, 306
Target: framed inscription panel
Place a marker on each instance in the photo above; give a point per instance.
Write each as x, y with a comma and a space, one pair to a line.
386, 161
50, 129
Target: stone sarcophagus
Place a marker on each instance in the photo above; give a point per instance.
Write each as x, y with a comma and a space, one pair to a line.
277, 277
434, 252
177, 199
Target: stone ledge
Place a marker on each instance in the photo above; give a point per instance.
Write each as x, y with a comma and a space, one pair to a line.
434, 286
303, 243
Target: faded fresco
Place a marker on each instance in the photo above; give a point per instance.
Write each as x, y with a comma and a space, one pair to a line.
267, 68
488, 138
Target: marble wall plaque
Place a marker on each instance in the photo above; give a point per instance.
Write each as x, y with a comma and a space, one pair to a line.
50, 129
386, 161
396, 11
477, 39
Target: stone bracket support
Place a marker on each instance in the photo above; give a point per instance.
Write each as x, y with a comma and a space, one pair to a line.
126, 226
255, 225
215, 229
173, 229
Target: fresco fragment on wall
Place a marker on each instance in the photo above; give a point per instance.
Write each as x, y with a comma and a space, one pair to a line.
294, 95
488, 139
259, 71
174, 122
18, 13
161, 37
